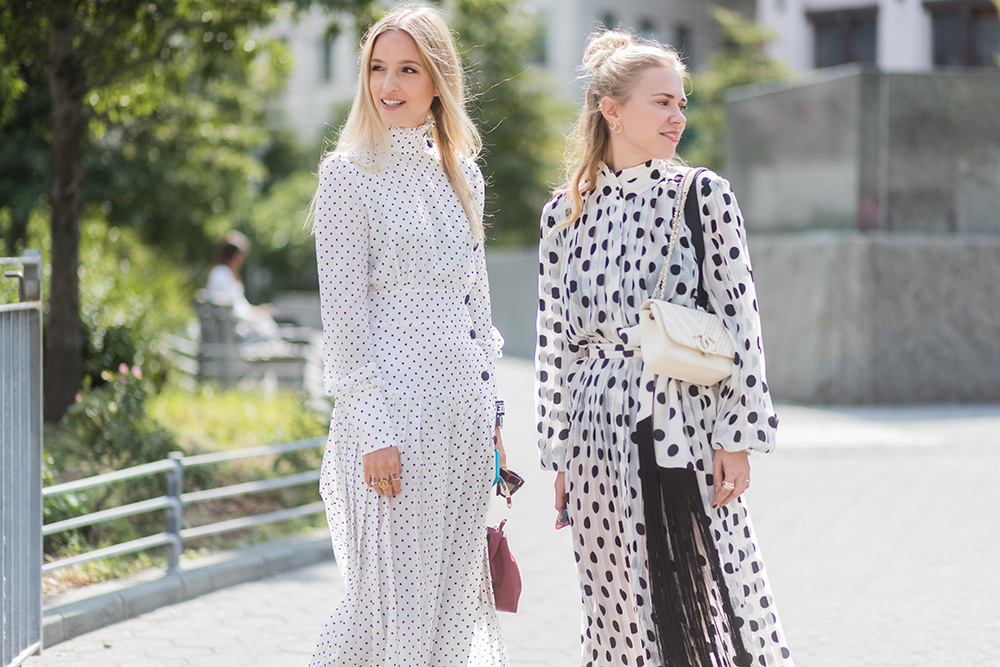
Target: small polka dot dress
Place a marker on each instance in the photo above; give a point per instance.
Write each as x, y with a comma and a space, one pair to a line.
409, 351
594, 396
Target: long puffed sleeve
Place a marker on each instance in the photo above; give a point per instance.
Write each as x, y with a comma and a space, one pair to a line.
553, 352
746, 418
350, 371
487, 335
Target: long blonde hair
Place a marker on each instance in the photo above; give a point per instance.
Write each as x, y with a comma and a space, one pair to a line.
613, 60
364, 138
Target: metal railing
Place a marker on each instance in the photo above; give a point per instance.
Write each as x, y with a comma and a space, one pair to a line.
21, 462
175, 500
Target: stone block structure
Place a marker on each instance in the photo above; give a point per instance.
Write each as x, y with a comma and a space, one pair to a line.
873, 204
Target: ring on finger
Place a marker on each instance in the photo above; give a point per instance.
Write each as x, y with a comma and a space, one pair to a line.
383, 483
729, 486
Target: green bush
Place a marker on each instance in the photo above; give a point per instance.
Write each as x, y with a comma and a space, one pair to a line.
111, 421
131, 298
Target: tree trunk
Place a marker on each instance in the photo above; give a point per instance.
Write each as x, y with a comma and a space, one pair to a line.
17, 235
64, 363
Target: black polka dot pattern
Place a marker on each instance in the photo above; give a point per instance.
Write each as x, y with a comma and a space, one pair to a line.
593, 277
409, 351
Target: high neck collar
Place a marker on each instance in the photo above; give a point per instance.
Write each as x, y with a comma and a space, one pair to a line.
635, 180
409, 139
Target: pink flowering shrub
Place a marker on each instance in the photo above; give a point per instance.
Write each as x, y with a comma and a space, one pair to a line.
111, 421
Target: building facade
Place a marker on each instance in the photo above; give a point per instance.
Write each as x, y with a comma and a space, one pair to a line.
324, 68
895, 35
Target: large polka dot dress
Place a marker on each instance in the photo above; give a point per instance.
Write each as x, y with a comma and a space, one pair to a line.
409, 352
593, 390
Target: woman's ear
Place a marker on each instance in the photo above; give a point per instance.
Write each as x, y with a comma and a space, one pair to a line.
609, 109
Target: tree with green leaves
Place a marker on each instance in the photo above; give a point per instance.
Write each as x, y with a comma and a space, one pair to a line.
89, 52
741, 60
520, 120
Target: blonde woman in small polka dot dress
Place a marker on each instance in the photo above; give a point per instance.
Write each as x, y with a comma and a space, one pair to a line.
409, 352
653, 469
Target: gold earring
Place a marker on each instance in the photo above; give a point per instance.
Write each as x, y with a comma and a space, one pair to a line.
616, 127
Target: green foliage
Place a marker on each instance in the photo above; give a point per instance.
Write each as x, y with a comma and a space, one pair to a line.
519, 118
111, 424
24, 154
740, 61
282, 243
131, 299
104, 62
62, 507
179, 147
111, 421
212, 419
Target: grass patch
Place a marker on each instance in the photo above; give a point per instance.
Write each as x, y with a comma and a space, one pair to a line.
213, 419
205, 421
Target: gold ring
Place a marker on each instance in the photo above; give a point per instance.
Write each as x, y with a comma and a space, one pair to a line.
728, 485
383, 484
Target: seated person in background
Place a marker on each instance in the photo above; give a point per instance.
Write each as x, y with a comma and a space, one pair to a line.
224, 287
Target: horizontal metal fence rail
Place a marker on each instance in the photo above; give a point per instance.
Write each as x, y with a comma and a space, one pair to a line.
175, 534
21, 462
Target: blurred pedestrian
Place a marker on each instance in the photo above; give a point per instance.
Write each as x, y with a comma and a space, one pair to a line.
224, 287
651, 470
409, 358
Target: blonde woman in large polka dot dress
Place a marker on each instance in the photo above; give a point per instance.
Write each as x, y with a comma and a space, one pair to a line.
653, 469
409, 351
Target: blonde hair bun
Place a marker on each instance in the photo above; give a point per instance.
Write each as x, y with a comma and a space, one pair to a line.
602, 46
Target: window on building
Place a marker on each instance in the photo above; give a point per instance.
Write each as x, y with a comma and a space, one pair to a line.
965, 32
849, 36
327, 58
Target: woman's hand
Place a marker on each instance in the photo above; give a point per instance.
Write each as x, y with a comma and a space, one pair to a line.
731, 475
560, 487
384, 464
498, 445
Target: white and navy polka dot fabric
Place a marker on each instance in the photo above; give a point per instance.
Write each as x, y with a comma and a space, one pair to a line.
594, 276
409, 352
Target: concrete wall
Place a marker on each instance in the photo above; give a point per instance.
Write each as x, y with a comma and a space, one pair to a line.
856, 318
847, 148
514, 297
848, 317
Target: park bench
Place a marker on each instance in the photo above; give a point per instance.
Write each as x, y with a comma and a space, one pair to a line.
220, 354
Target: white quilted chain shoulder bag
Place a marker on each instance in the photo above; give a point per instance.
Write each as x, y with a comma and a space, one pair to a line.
687, 344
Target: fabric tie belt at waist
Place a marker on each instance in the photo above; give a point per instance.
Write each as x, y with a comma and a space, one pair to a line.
612, 351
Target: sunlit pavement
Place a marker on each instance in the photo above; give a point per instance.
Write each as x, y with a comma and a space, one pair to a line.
880, 529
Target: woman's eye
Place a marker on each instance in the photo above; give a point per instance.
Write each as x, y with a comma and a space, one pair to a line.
409, 70
376, 68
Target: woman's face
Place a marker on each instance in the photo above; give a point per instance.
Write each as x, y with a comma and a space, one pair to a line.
652, 119
400, 84
236, 263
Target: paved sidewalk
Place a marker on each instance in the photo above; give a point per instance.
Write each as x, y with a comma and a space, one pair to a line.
878, 527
